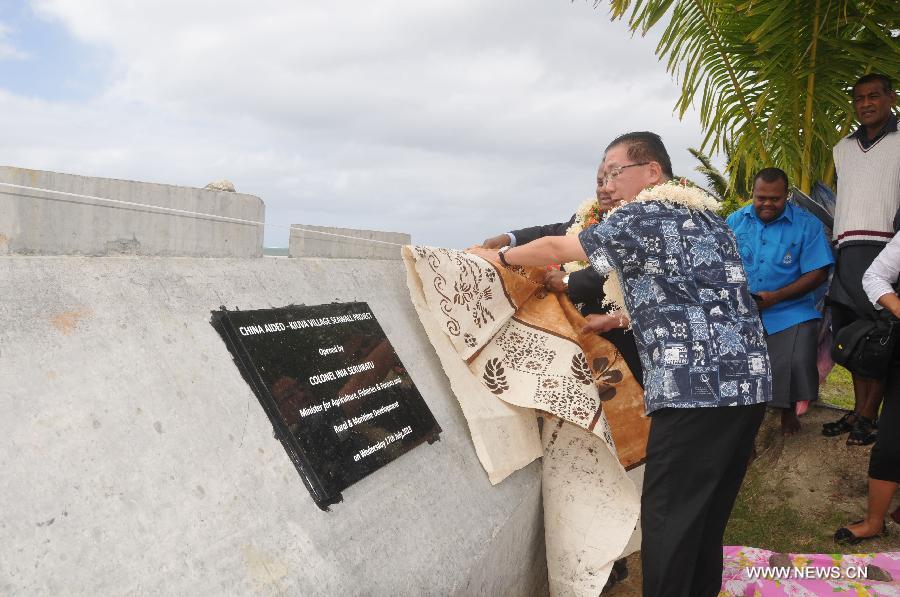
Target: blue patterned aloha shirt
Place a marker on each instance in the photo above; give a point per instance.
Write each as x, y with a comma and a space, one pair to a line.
697, 330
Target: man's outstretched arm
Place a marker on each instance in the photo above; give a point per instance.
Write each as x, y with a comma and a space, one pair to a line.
526, 235
544, 251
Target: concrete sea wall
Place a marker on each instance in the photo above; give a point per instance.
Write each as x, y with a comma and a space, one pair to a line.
307, 241
137, 460
40, 223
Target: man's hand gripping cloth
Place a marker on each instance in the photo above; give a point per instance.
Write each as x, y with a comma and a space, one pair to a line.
509, 349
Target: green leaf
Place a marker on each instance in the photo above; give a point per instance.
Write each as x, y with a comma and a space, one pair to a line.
770, 79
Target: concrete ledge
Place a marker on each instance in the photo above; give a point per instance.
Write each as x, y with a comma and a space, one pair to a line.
138, 461
40, 223
310, 244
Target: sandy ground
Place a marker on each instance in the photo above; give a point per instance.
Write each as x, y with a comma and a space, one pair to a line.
819, 477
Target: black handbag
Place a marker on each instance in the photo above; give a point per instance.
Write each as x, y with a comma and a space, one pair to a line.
866, 346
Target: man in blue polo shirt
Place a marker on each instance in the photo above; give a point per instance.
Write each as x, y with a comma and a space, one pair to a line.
786, 256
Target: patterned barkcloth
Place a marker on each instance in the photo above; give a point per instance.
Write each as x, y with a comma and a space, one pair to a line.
759, 572
509, 349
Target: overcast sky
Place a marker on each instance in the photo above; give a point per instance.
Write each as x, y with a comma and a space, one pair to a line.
452, 120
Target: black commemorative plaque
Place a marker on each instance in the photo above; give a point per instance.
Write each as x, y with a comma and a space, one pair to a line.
339, 399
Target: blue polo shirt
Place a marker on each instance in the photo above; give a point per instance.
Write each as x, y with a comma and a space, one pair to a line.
776, 254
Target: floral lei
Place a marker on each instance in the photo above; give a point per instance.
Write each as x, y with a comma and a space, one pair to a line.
587, 214
678, 191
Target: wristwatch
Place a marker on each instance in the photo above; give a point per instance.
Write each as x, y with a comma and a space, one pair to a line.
565, 280
502, 255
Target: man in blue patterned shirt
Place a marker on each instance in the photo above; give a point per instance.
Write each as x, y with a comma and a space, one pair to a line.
702, 345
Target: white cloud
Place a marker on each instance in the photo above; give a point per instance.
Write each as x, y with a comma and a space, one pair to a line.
449, 119
8, 51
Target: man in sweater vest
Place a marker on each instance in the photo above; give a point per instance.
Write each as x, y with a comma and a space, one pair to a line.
867, 164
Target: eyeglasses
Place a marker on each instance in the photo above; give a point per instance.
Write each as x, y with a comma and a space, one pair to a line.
615, 172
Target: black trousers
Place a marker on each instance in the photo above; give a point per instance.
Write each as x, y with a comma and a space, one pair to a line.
623, 340
696, 460
884, 461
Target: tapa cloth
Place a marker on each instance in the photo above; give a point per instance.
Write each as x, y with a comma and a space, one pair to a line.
509, 349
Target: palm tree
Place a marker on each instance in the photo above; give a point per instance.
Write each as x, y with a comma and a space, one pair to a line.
732, 194
772, 78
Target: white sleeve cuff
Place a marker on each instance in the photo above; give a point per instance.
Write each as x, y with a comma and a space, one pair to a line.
881, 276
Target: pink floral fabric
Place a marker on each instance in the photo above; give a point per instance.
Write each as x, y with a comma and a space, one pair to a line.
753, 572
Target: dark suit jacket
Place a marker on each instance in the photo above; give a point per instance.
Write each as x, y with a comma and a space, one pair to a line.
586, 285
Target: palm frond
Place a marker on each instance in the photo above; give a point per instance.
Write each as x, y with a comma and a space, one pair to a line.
770, 78
717, 182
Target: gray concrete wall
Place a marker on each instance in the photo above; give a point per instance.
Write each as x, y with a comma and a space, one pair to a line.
40, 223
136, 460
311, 244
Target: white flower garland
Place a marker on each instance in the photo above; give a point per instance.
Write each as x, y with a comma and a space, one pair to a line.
587, 208
673, 192
676, 191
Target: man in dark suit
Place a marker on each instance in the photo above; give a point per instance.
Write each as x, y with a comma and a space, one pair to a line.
584, 287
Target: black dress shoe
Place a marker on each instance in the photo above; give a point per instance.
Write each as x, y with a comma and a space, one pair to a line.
618, 573
845, 536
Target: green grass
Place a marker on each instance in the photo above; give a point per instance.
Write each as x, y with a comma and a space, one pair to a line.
763, 518
766, 516
838, 389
